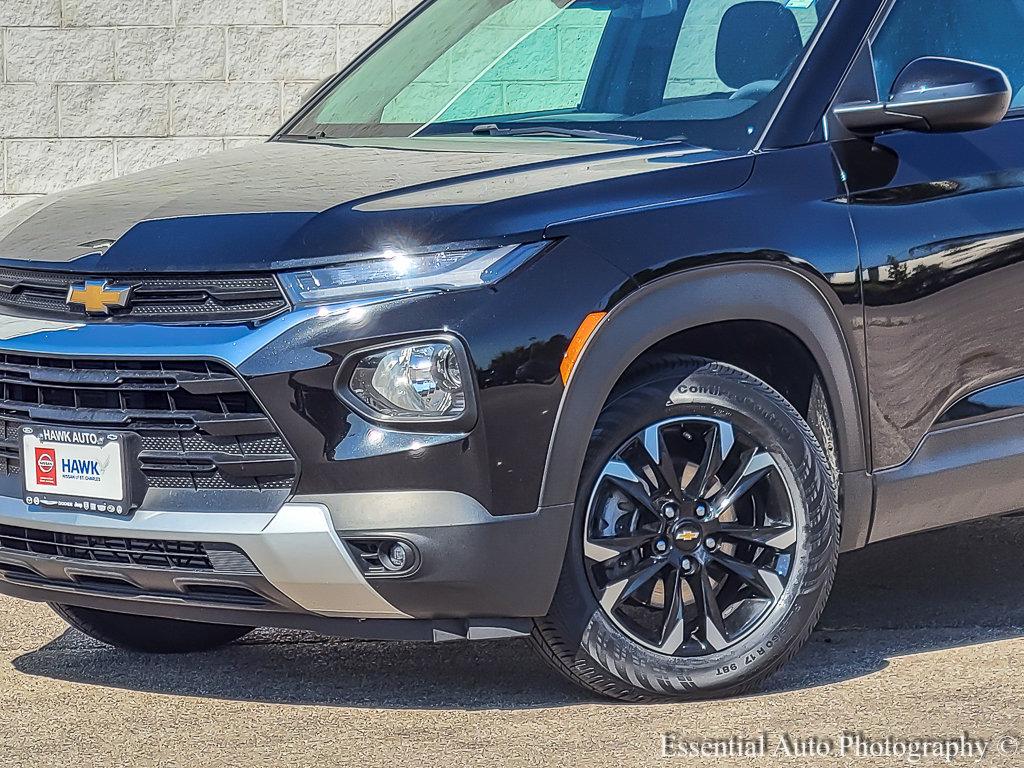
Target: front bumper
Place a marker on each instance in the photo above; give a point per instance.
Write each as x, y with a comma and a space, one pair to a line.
478, 573
295, 552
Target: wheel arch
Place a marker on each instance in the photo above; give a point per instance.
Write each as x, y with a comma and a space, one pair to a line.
775, 294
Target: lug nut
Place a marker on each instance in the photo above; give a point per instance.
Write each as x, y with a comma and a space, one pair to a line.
687, 565
661, 546
701, 510
710, 542
670, 510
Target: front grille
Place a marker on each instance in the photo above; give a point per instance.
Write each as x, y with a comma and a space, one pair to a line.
158, 299
148, 553
199, 427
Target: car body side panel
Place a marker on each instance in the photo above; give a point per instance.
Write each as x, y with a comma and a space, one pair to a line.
959, 473
1003, 399
940, 220
794, 264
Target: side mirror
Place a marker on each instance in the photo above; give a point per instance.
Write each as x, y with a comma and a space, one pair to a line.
934, 95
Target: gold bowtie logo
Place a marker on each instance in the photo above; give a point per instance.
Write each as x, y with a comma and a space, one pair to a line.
687, 535
98, 297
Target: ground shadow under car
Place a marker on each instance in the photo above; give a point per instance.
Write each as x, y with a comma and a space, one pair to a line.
928, 592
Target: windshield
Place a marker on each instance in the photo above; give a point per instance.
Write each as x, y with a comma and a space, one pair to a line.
707, 71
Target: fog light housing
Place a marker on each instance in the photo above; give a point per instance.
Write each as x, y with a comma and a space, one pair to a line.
418, 381
384, 558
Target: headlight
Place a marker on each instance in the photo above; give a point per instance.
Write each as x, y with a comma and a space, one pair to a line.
393, 272
417, 381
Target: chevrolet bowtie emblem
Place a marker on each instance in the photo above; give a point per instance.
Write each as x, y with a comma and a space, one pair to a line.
687, 535
98, 297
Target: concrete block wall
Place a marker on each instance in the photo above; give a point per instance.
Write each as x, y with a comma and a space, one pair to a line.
91, 89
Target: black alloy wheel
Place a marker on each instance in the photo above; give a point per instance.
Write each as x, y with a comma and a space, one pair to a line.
690, 536
705, 537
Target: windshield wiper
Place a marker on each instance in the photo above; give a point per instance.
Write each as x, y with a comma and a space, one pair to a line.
491, 129
307, 136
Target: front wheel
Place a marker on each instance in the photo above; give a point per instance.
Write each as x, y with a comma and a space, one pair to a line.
148, 634
704, 543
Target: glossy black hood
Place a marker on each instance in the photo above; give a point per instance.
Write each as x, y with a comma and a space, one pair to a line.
284, 204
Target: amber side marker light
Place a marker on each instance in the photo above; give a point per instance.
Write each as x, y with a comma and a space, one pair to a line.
579, 341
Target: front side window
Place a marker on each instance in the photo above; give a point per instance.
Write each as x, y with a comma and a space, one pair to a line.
983, 31
707, 71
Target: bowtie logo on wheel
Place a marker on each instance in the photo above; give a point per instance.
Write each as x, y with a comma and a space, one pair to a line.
46, 466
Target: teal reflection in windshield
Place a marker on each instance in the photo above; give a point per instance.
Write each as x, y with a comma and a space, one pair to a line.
611, 70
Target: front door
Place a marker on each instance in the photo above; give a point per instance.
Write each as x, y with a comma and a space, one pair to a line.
940, 222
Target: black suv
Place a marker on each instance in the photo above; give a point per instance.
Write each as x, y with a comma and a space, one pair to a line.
609, 323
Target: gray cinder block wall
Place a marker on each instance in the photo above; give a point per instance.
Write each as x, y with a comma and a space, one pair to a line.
92, 89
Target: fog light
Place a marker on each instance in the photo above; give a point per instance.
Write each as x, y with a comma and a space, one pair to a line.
384, 558
419, 381
398, 557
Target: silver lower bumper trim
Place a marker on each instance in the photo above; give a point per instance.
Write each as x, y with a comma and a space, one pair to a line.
296, 549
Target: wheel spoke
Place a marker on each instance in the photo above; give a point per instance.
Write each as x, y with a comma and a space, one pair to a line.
619, 474
649, 460
654, 444
673, 631
617, 591
603, 548
708, 614
764, 580
772, 536
717, 445
756, 465
619, 470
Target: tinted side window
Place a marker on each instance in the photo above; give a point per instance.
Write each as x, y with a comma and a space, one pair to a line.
984, 31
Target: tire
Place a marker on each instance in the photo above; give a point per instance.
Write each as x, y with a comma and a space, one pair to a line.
605, 651
148, 634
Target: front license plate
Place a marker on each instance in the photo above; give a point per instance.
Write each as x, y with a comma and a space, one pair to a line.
75, 469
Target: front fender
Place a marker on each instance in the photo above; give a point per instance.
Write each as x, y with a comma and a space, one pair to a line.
772, 293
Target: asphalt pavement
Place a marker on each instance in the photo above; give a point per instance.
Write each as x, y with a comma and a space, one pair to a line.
921, 643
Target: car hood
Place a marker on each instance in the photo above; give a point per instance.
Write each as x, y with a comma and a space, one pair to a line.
283, 204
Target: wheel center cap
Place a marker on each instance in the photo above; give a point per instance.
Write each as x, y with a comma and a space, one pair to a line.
687, 536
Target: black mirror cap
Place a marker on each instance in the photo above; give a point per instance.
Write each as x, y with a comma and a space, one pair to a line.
935, 95
952, 95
